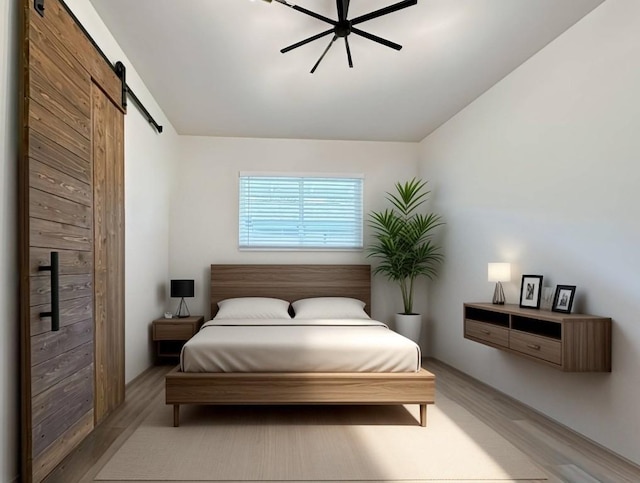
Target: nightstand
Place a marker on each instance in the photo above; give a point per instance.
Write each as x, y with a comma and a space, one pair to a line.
171, 334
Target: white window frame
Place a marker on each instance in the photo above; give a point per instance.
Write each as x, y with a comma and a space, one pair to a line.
301, 236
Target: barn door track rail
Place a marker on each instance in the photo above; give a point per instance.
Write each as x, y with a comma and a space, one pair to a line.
118, 67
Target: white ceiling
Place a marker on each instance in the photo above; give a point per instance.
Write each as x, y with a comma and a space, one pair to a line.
215, 66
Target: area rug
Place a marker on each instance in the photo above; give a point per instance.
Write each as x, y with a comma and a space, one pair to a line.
317, 443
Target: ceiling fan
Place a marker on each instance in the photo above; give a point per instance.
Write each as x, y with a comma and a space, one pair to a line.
343, 27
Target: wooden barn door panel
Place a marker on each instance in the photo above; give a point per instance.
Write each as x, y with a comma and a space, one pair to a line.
59, 28
108, 188
62, 209
62, 165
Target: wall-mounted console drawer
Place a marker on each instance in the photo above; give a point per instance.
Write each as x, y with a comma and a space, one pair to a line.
536, 346
492, 334
569, 342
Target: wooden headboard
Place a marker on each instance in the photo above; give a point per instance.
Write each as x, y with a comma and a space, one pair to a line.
290, 282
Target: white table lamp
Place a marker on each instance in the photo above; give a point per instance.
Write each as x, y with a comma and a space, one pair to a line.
499, 272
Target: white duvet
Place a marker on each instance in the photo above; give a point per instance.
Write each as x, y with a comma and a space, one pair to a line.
289, 345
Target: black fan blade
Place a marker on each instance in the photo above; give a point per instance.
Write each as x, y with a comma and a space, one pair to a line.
375, 38
306, 41
383, 11
324, 53
308, 12
346, 43
343, 9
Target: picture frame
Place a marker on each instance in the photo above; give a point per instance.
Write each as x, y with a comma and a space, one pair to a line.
563, 298
531, 291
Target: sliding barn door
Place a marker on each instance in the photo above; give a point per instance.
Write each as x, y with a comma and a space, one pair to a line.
71, 215
108, 209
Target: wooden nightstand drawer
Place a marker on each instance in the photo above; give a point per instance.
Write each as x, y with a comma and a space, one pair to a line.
490, 333
171, 334
173, 331
533, 345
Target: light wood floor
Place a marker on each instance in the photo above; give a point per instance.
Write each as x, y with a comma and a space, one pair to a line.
563, 454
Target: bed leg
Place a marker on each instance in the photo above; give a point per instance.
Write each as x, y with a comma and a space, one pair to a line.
423, 415
176, 415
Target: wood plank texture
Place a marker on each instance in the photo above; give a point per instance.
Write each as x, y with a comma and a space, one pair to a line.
300, 388
71, 262
569, 342
49, 56
60, 68
587, 345
64, 444
101, 263
47, 432
115, 429
114, 376
550, 444
563, 454
66, 364
48, 90
60, 210
290, 282
26, 443
51, 408
178, 330
45, 233
487, 333
540, 347
41, 120
51, 180
45, 347
71, 311
62, 161
117, 265
108, 187
60, 25
71, 287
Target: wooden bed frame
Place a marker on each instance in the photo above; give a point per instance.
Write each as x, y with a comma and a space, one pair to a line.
293, 282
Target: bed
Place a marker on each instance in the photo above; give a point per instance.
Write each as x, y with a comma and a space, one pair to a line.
293, 283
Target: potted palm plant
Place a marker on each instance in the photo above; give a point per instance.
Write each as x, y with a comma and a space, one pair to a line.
403, 244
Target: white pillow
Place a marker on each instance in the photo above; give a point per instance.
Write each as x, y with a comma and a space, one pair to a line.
253, 308
329, 308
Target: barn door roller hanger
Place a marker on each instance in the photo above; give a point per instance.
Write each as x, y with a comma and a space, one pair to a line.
118, 67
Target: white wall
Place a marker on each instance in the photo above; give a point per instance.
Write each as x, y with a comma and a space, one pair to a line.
543, 171
9, 328
204, 206
149, 161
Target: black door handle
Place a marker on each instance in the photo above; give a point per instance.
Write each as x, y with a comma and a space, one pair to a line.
55, 292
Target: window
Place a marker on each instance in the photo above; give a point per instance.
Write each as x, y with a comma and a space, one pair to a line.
300, 211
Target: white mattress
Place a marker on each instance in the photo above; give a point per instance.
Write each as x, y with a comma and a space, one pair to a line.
319, 345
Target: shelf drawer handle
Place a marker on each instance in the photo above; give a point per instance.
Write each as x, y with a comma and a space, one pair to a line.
533, 346
485, 331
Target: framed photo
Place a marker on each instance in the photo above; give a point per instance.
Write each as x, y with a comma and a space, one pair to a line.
563, 299
531, 291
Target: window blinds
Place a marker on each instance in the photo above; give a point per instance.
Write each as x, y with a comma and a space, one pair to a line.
300, 212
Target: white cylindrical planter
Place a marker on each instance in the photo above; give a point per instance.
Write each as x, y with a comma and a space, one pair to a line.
409, 325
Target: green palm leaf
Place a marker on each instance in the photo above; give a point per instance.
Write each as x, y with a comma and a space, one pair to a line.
403, 241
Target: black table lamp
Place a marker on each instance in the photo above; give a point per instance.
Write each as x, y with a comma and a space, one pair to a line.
182, 289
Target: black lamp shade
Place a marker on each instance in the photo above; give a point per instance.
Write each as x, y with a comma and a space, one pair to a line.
182, 288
